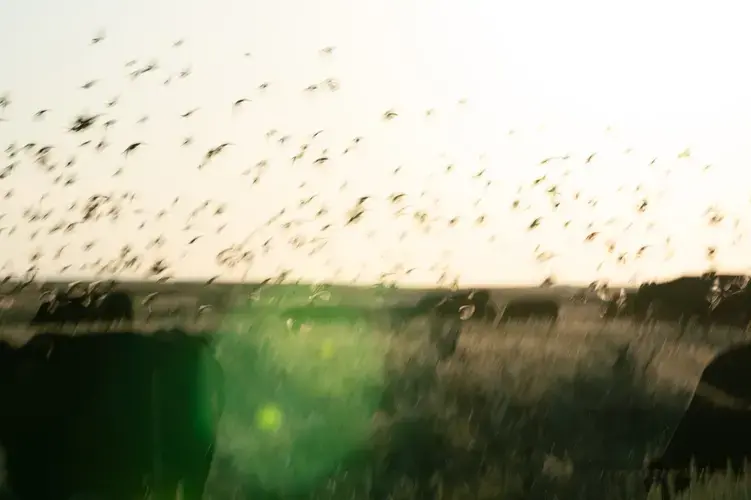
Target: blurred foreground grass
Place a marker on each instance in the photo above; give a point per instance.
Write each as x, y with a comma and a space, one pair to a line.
355, 410
345, 406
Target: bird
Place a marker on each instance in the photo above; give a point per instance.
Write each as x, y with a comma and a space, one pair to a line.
98, 38
130, 149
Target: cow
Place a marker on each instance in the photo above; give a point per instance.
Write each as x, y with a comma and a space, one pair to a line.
113, 306
452, 305
63, 308
693, 297
733, 309
678, 300
110, 415
444, 334
715, 430
60, 308
530, 308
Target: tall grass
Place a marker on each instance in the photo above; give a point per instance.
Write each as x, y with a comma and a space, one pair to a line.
520, 413
359, 408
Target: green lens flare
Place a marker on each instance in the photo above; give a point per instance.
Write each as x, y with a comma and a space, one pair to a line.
327, 349
269, 418
297, 404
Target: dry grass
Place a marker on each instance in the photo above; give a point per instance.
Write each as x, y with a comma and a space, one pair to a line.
524, 412
354, 410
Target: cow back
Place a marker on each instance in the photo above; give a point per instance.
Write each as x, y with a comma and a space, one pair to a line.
80, 416
530, 308
714, 432
109, 413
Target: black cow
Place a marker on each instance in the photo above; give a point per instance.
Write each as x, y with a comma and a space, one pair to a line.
444, 334
732, 310
446, 312
472, 304
62, 308
113, 306
530, 308
715, 431
678, 300
110, 415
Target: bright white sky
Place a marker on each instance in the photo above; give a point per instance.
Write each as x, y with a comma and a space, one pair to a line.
630, 82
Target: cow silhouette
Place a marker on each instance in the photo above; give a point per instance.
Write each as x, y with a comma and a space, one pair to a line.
715, 431
63, 308
686, 298
734, 309
455, 304
113, 306
109, 414
530, 308
444, 334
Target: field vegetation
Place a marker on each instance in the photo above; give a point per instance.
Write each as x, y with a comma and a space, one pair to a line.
367, 410
353, 407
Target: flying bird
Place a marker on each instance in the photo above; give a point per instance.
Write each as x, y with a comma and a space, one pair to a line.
132, 148
99, 37
83, 122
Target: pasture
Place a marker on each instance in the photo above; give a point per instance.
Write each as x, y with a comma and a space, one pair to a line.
352, 408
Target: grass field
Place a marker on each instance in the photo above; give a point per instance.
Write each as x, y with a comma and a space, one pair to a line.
349, 408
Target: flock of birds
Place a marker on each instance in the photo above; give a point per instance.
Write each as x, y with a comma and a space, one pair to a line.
286, 227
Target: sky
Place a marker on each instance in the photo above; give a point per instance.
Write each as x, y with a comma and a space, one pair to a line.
483, 92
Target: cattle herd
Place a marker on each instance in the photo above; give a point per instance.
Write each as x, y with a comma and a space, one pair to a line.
117, 414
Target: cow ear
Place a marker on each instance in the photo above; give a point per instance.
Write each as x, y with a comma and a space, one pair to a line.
467, 311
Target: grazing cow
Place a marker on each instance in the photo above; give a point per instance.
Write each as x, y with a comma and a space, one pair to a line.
692, 297
449, 305
732, 310
446, 312
444, 334
715, 431
678, 300
530, 308
60, 308
113, 306
109, 415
